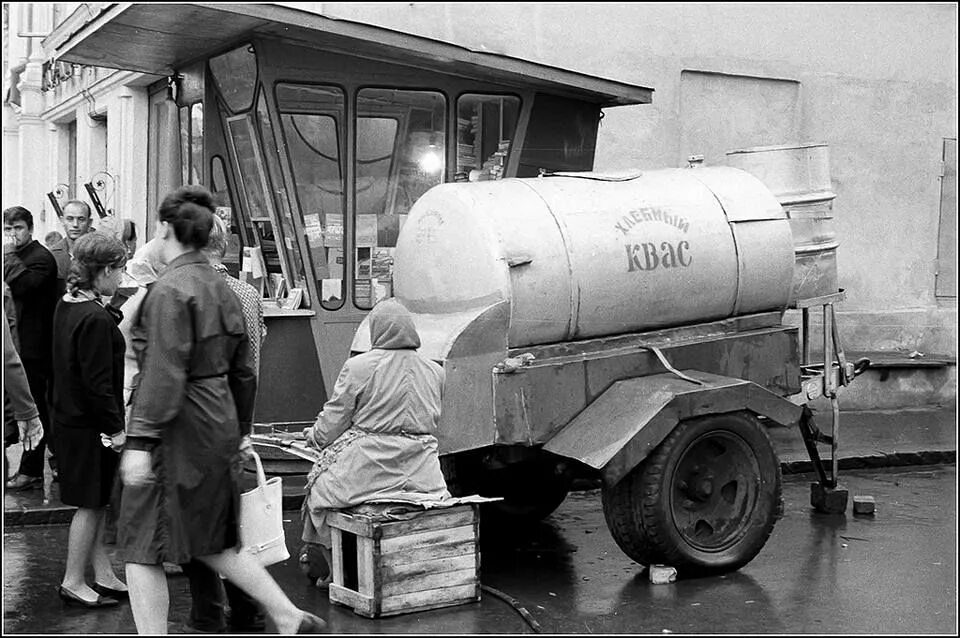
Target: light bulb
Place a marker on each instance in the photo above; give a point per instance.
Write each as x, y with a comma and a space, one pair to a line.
431, 162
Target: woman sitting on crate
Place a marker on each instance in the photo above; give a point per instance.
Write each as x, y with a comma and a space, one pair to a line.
376, 433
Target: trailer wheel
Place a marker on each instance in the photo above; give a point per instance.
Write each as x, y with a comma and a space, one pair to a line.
531, 492
705, 501
531, 489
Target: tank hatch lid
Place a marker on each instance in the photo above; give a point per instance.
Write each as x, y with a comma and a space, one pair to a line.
159, 38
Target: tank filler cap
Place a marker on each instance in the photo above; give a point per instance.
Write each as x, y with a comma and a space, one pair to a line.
514, 364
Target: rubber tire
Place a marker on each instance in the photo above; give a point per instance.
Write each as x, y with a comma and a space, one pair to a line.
638, 509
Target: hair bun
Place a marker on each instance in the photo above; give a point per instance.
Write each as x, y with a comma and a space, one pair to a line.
198, 195
190, 210
193, 210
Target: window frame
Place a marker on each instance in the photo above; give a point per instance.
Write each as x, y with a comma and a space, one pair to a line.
340, 127
394, 175
264, 183
518, 128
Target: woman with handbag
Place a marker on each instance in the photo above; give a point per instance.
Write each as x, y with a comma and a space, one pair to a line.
212, 596
187, 437
87, 410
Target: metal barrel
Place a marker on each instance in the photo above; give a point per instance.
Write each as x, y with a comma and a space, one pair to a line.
799, 177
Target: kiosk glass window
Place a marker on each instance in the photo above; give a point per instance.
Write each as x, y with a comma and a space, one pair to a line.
279, 191
401, 153
486, 128
184, 120
561, 136
235, 74
253, 186
376, 139
191, 143
312, 118
196, 143
218, 182
225, 209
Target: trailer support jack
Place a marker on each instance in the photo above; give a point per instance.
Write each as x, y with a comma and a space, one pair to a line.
825, 495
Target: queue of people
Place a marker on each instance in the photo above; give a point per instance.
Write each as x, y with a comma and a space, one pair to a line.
152, 404
161, 452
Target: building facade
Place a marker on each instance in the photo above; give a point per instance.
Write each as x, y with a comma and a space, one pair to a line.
65, 125
876, 83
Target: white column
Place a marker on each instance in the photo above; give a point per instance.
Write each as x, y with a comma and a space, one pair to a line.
129, 127
55, 150
33, 173
11, 157
91, 143
61, 146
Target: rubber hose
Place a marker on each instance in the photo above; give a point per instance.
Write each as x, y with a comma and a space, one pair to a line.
513, 602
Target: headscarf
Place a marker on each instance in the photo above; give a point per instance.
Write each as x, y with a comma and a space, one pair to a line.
391, 327
146, 265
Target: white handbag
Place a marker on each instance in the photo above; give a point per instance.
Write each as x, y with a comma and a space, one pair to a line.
261, 519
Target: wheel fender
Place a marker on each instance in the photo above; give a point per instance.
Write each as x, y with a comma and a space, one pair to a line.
620, 428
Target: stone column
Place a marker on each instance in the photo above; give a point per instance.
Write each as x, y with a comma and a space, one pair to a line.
91, 141
11, 157
33, 172
56, 156
128, 116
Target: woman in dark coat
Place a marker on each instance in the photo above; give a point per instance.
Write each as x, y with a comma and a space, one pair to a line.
188, 432
87, 409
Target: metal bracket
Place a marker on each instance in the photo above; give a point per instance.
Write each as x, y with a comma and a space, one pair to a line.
666, 364
102, 182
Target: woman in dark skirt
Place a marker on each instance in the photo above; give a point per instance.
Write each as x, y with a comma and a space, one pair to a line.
189, 429
87, 408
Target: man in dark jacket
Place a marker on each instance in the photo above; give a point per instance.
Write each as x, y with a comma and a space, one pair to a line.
31, 272
77, 223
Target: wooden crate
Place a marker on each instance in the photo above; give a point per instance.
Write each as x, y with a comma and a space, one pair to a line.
383, 568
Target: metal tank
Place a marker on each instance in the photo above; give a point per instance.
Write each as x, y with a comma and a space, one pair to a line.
586, 254
798, 175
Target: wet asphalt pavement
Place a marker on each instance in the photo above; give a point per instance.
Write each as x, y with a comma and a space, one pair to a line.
893, 573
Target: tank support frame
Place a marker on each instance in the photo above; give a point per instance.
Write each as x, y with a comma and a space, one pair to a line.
823, 379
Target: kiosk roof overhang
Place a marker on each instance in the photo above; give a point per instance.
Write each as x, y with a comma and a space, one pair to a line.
160, 38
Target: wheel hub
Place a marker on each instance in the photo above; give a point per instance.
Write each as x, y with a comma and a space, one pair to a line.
715, 490
705, 489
